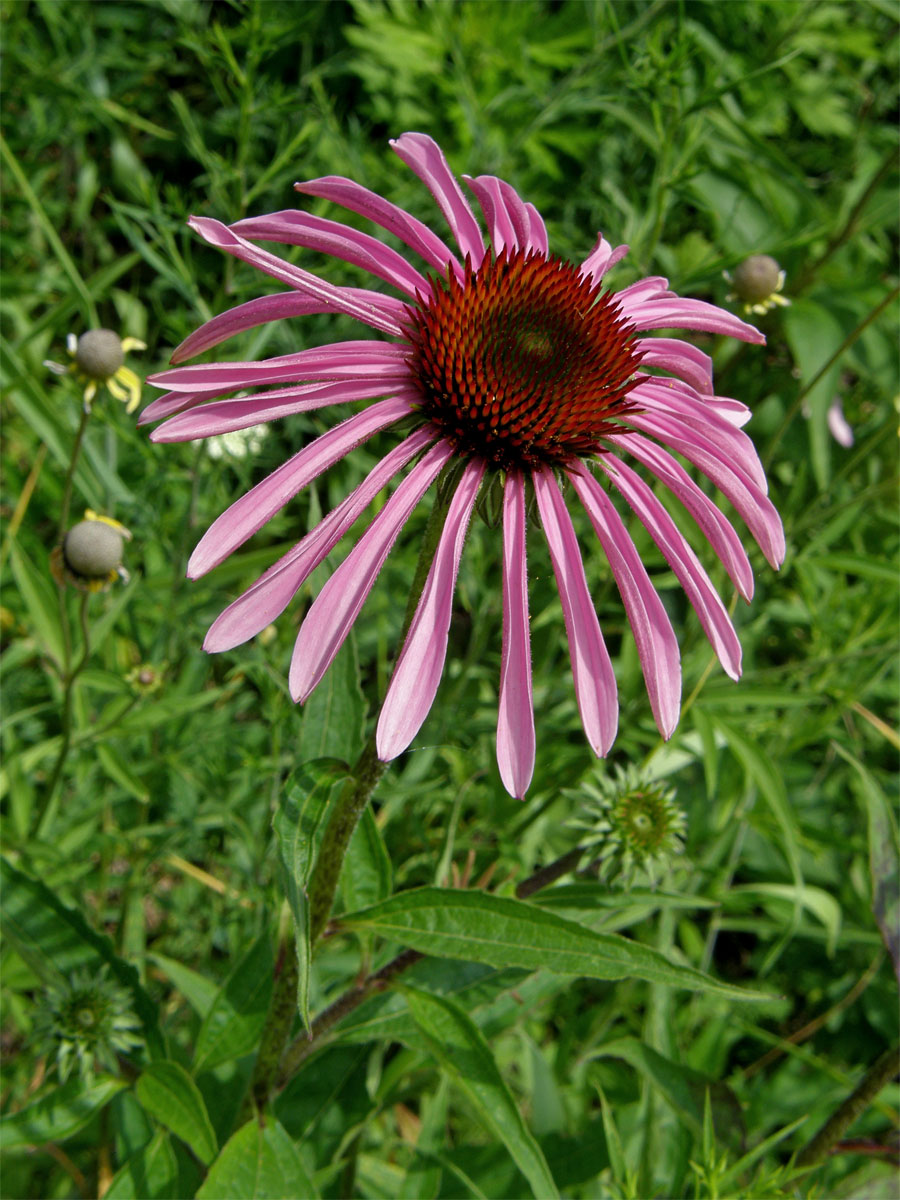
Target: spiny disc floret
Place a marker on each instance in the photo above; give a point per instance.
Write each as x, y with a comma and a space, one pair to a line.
523, 362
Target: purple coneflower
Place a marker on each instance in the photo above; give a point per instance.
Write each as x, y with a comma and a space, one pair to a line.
516, 365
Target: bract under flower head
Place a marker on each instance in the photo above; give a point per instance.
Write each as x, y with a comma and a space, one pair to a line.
509, 364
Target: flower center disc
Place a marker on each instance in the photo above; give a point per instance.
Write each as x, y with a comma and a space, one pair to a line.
524, 362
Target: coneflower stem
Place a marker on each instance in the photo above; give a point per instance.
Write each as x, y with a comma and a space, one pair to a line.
880, 1073
323, 883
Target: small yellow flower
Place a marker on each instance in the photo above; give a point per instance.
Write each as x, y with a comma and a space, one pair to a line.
98, 359
90, 557
757, 283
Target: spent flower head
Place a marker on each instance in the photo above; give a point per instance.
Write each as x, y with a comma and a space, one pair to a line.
515, 368
633, 826
758, 283
84, 1021
98, 360
90, 557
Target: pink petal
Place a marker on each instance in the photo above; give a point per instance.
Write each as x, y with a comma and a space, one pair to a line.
381, 312
644, 289
595, 683
395, 220
514, 225
682, 560
730, 477
515, 713
713, 522
273, 591
677, 312
840, 428
417, 674
330, 237
424, 156
252, 510
248, 316
340, 360
496, 215
668, 398
226, 416
732, 411
652, 629
601, 259
337, 606
680, 358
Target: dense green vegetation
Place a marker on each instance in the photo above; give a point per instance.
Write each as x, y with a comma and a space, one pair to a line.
143, 882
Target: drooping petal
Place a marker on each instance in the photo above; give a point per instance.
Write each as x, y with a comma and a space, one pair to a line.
731, 478
248, 316
678, 312
295, 228
683, 561
650, 287
337, 605
397, 221
681, 359
254, 508
716, 527
424, 156
595, 683
537, 231
669, 398
378, 311
273, 591
652, 629
226, 416
515, 713
601, 259
417, 674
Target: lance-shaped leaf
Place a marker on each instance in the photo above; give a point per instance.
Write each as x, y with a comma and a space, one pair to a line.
464, 1054
479, 927
299, 824
59, 1113
150, 1174
169, 1094
236, 1017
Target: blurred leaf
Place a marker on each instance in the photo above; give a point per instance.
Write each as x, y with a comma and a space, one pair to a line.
151, 1174
884, 856
40, 595
169, 1094
464, 1054
233, 1025
199, 991
299, 822
480, 927
55, 941
260, 1162
814, 334
820, 903
60, 1113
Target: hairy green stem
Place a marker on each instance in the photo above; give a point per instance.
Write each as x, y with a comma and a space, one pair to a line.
305, 1046
880, 1073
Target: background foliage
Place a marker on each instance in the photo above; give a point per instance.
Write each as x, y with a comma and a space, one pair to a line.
697, 132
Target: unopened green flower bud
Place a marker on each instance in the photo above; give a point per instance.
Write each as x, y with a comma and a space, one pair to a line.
92, 549
99, 353
756, 278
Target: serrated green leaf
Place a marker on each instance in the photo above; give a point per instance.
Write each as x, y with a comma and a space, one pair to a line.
464, 1054
60, 1113
260, 1162
233, 1025
480, 927
299, 823
55, 941
151, 1174
169, 1095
